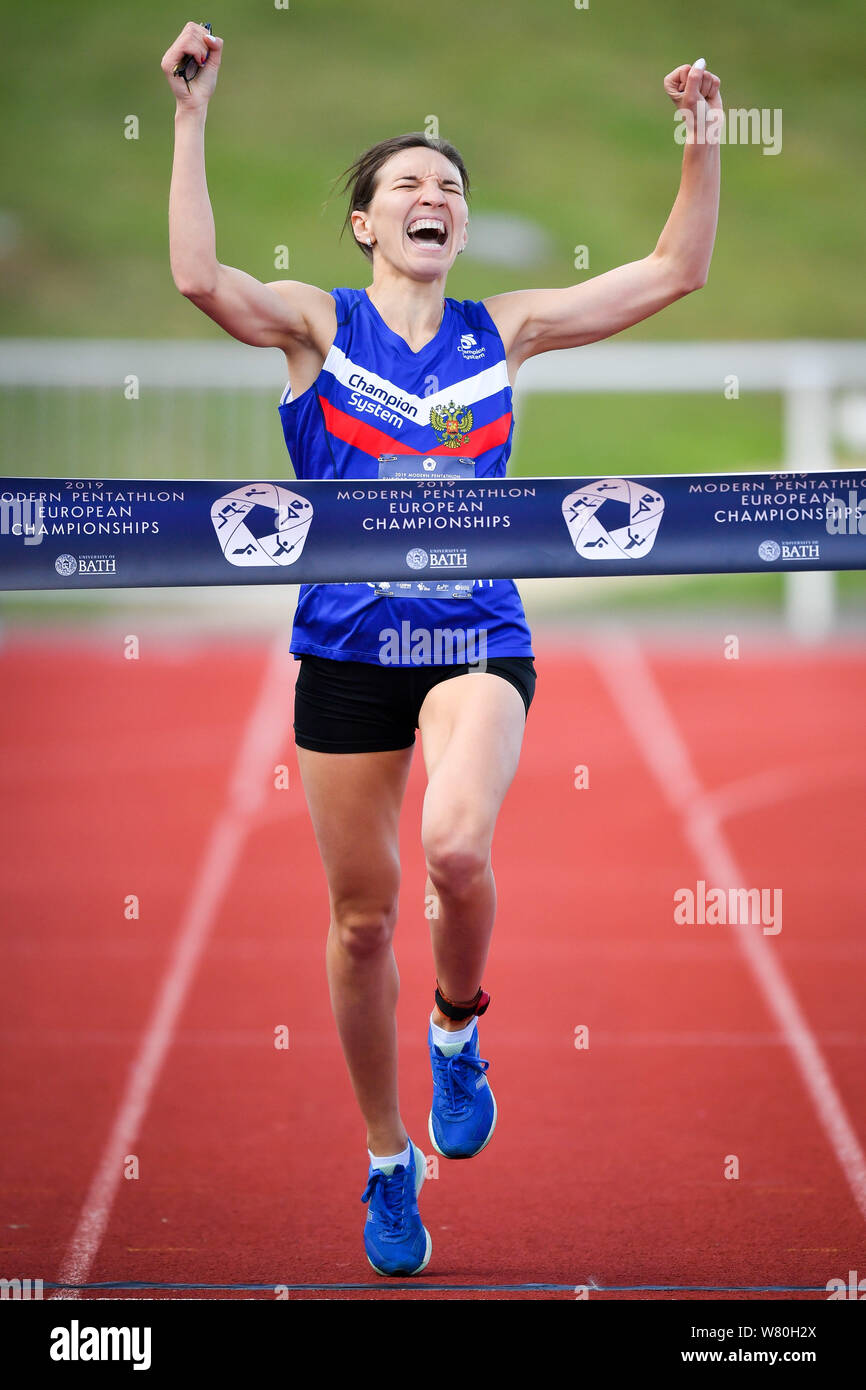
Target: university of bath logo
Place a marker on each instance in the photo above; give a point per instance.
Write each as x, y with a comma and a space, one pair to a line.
452, 424
613, 519
261, 524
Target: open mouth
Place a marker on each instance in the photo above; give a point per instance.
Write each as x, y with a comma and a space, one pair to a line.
427, 231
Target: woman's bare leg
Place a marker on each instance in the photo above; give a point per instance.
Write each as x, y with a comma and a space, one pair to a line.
472, 729
354, 801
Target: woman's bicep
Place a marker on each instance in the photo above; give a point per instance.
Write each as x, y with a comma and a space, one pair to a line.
547, 320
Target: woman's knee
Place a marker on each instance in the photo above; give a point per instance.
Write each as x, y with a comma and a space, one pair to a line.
455, 862
363, 930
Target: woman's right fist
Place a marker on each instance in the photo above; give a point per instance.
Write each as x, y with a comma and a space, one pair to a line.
193, 41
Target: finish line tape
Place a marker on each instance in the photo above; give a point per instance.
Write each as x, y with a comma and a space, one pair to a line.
56, 533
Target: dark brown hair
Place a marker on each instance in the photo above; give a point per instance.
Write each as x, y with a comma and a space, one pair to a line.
360, 177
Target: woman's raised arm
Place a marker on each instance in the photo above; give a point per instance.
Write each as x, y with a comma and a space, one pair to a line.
265, 315
534, 321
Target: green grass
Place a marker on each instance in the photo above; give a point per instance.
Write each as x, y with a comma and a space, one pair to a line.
164, 434
559, 113
646, 434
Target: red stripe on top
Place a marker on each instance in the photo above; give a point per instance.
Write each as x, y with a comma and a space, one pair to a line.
372, 441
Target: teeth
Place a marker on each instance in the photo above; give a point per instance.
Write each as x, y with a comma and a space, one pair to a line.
421, 222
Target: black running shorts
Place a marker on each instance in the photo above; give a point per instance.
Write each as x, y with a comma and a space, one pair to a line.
364, 707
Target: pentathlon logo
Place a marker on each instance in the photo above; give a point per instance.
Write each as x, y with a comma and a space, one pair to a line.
613, 519
261, 524
452, 424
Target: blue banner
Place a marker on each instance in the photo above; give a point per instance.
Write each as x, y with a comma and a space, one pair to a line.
58, 533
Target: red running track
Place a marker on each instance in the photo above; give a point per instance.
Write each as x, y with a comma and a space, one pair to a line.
150, 1039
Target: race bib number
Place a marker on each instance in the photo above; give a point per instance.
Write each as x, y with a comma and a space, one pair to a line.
405, 467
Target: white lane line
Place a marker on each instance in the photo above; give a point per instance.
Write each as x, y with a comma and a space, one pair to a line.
637, 696
251, 778
798, 780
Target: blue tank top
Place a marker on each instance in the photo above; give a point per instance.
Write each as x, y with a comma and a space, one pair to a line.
377, 406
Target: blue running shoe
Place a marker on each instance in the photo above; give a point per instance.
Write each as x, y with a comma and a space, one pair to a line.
394, 1237
463, 1116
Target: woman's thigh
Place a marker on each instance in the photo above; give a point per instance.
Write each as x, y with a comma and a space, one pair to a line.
354, 800
472, 732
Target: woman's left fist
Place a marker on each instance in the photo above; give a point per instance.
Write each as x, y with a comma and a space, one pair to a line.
690, 84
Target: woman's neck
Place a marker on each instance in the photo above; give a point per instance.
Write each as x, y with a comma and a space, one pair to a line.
414, 311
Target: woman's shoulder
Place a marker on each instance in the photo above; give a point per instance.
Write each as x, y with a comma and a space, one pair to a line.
477, 319
347, 297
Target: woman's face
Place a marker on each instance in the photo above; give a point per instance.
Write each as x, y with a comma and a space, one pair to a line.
414, 188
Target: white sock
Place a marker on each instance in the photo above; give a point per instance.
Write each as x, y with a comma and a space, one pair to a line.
389, 1162
451, 1043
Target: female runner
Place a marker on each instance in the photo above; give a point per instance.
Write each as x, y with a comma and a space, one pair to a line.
384, 381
